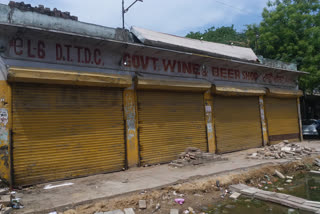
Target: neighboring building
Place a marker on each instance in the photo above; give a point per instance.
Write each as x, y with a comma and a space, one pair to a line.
80, 99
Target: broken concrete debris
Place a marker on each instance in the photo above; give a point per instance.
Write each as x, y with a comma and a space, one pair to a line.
128, 211
142, 204
317, 162
43, 10
235, 195
174, 211
5, 200
314, 172
114, 212
4, 191
194, 156
283, 150
6, 210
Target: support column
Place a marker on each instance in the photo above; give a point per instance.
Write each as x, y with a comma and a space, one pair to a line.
263, 122
208, 103
5, 130
300, 120
131, 118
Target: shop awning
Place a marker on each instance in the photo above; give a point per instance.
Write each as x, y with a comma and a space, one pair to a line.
169, 83
35, 75
238, 90
279, 92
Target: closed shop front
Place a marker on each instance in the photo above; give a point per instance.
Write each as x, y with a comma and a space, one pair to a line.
62, 131
79, 99
282, 119
237, 121
169, 122
237, 118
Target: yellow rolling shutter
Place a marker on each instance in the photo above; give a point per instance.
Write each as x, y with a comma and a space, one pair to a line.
169, 122
66, 131
237, 122
282, 119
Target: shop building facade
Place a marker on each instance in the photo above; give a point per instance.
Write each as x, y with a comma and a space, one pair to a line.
79, 99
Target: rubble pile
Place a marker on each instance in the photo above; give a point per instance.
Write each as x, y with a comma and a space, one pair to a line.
43, 10
317, 162
194, 156
283, 150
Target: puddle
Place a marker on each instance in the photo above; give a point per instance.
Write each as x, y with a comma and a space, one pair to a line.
304, 186
253, 206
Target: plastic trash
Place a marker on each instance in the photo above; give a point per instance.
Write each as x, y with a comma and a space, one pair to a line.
179, 200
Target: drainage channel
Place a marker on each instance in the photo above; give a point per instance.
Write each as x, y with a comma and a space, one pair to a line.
302, 196
305, 185
244, 205
278, 198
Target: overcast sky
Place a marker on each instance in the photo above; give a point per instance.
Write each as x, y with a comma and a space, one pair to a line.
169, 16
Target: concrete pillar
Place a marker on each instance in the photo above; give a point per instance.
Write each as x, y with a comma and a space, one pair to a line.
131, 118
299, 117
5, 130
208, 104
264, 127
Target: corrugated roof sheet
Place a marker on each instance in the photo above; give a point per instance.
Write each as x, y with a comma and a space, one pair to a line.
157, 39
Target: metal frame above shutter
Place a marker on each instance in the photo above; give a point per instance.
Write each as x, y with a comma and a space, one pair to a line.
284, 93
172, 84
65, 77
237, 123
282, 119
225, 90
66, 131
169, 122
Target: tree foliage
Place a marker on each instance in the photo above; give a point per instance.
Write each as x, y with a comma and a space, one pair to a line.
224, 35
290, 31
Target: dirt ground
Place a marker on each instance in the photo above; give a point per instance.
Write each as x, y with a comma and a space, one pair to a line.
199, 194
